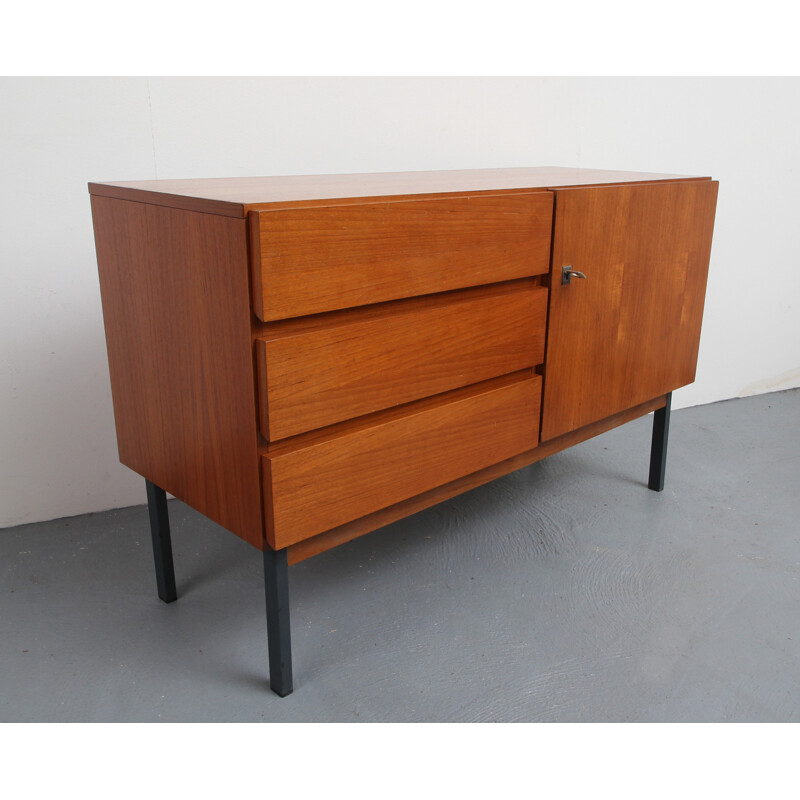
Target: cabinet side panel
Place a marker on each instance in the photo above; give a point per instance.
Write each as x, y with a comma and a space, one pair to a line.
176, 305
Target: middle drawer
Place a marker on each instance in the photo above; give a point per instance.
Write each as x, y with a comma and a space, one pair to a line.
318, 371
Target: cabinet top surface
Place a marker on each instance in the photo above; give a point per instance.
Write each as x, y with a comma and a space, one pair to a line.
237, 196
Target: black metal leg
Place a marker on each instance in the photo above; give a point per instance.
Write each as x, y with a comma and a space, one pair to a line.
162, 543
276, 584
658, 448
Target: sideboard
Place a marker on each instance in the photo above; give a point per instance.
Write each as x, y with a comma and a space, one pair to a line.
306, 359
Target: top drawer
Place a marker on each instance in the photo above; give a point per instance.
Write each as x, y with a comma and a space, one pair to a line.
309, 260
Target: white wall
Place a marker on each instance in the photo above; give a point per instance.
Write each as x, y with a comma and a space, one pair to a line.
57, 446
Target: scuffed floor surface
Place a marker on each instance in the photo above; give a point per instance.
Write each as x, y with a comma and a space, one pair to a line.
564, 592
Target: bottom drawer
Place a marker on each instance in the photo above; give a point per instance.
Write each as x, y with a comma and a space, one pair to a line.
319, 481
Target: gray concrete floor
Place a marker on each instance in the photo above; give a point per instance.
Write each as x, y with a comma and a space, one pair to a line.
564, 592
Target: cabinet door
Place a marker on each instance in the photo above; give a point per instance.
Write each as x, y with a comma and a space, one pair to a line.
630, 331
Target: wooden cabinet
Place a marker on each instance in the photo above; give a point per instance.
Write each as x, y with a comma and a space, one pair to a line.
306, 359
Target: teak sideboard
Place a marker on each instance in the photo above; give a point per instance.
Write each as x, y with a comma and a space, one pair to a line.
306, 359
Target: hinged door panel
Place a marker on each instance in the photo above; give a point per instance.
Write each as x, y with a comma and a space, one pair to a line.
630, 330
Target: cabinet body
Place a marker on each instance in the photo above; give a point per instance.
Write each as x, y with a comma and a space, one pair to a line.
307, 359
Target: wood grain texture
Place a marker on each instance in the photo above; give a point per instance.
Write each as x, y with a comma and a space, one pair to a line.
313, 485
631, 330
352, 366
351, 530
320, 259
238, 196
375, 260
176, 304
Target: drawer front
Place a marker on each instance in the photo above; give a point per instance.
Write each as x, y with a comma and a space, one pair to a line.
314, 486
311, 376
309, 260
